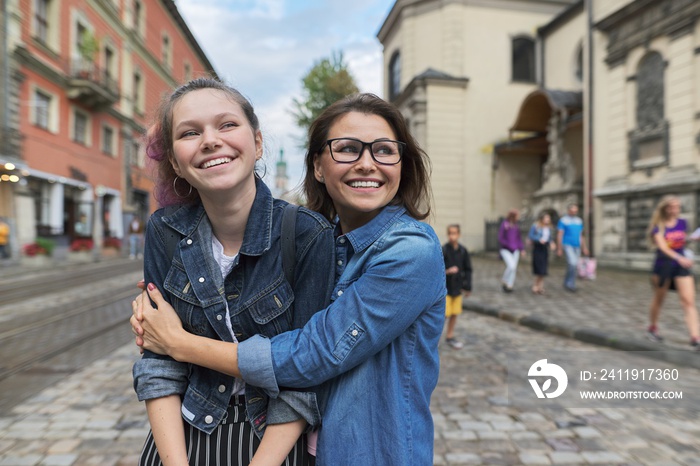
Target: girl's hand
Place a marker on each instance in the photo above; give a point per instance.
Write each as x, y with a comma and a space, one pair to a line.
157, 329
685, 262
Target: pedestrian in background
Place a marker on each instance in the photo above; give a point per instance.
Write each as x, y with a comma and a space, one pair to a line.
512, 248
672, 269
135, 238
4, 239
570, 241
458, 272
541, 237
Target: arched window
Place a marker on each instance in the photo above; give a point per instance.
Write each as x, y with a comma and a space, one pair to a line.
523, 59
649, 141
650, 91
394, 75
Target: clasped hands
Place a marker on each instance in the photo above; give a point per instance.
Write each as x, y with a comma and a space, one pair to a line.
157, 329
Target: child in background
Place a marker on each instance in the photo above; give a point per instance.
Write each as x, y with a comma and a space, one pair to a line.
458, 271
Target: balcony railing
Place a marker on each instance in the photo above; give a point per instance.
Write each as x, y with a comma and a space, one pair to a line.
91, 85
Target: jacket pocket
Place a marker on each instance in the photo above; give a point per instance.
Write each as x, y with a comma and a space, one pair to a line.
271, 308
184, 301
178, 284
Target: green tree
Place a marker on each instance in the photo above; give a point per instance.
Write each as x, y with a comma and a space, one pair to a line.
328, 81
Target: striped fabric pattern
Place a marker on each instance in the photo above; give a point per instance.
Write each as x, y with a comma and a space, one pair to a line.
233, 443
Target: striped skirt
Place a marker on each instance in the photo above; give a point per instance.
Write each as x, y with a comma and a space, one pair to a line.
233, 443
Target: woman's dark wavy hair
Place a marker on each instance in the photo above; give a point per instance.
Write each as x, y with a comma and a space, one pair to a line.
414, 188
159, 144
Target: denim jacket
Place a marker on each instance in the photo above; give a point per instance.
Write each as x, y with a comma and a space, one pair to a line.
260, 301
536, 232
377, 343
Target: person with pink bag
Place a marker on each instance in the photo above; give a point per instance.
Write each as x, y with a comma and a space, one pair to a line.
570, 241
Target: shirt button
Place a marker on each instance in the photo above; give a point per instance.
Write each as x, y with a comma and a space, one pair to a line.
219, 317
208, 419
201, 279
340, 262
340, 293
189, 241
342, 240
354, 333
222, 388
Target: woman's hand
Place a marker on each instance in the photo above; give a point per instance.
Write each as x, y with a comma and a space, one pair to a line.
685, 262
156, 329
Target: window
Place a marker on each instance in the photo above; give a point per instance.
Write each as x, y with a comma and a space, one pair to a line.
394, 76
108, 140
649, 144
42, 108
81, 123
188, 72
41, 20
109, 63
650, 91
137, 93
578, 70
523, 59
138, 11
44, 20
166, 52
137, 157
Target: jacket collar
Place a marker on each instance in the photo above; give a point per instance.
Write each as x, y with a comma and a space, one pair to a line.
258, 231
362, 237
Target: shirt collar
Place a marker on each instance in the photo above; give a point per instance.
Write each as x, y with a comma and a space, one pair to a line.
360, 238
258, 231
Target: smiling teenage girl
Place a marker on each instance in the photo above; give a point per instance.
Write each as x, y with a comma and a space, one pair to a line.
225, 281
376, 345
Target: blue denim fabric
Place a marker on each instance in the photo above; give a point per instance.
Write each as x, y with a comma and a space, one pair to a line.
260, 301
535, 234
377, 343
572, 256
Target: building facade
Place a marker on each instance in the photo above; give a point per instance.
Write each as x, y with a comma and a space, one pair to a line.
611, 122
458, 70
646, 119
87, 75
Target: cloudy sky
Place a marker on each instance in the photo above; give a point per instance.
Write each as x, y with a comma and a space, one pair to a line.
265, 47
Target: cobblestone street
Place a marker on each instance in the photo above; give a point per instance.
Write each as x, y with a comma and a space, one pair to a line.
92, 417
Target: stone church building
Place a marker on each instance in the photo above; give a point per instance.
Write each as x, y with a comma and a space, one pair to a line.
538, 104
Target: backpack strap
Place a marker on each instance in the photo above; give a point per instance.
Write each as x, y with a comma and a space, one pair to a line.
172, 238
289, 218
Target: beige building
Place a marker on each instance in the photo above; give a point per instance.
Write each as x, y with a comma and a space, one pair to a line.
646, 119
631, 67
459, 71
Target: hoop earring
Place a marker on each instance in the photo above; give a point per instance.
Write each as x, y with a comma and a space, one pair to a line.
175, 188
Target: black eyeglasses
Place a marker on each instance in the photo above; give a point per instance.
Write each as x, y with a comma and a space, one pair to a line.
349, 150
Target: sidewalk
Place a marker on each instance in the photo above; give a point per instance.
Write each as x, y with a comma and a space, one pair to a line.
92, 416
612, 310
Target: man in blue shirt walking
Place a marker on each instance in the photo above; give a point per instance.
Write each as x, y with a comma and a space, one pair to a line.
570, 241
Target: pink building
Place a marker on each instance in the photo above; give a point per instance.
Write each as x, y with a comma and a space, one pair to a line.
82, 80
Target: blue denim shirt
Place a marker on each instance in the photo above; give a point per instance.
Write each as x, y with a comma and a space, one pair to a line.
260, 301
377, 342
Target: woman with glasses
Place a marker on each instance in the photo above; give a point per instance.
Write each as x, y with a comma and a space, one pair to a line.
376, 346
